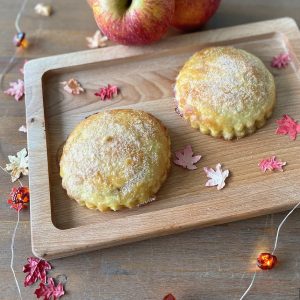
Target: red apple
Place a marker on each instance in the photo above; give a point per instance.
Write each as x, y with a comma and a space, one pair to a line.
192, 14
133, 22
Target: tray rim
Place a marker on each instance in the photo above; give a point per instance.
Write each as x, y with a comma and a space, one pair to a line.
43, 229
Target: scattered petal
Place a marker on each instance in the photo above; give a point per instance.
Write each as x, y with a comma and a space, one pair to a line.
185, 158
217, 177
36, 269
16, 89
287, 125
98, 40
72, 86
169, 297
23, 129
107, 92
178, 111
151, 199
281, 61
18, 165
19, 198
271, 164
43, 9
50, 291
22, 69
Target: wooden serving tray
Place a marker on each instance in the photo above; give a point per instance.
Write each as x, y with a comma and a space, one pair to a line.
146, 77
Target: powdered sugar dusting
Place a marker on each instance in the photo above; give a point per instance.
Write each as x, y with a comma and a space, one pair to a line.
225, 92
226, 79
122, 154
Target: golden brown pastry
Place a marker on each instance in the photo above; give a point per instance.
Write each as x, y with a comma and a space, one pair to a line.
114, 159
225, 92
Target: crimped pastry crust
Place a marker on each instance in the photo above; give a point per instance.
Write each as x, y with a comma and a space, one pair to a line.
114, 159
225, 92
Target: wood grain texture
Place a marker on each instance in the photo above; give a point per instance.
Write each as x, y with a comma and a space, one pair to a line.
146, 78
210, 263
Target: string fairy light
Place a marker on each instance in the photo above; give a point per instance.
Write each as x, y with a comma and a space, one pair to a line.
250, 286
269, 260
12, 247
17, 21
280, 225
19, 41
12, 244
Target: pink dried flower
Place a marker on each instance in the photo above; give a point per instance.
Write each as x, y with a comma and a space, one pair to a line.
281, 61
217, 177
271, 164
287, 125
107, 92
72, 86
185, 158
16, 89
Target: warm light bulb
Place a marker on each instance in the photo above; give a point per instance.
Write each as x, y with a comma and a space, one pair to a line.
19, 40
266, 261
24, 43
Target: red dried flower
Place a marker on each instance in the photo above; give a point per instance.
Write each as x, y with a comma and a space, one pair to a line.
107, 92
288, 125
36, 269
281, 61
19, 198
50, 291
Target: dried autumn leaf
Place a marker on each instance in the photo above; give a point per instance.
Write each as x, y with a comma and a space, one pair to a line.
50, 291
72, 86
36, 269
18, 165
185, 158
217, 177
107, 92
19, 198
281, 61
271, 164
16, 89
98, 40
287, 125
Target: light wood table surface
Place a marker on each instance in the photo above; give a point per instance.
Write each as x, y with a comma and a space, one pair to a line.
214, 263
